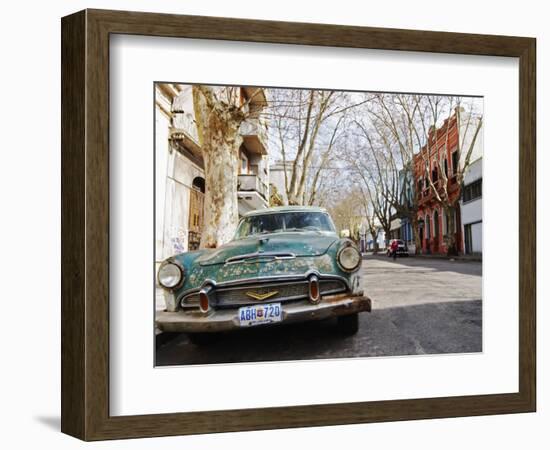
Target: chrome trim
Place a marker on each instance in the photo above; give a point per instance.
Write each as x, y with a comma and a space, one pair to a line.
264, 282
176, 263
225, 320
340, 250
259, 255
273, 278
205, 291
314, 279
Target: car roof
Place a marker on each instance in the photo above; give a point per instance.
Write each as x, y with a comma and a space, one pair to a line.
282, 209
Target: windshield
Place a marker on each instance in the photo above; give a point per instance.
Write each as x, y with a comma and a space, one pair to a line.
281, 222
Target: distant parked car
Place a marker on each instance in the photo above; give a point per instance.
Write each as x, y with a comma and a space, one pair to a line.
401, 248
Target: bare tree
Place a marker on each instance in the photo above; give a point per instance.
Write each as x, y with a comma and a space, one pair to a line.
306, 126
325, 137
347, 212
370, 218
316, 185
392, 122
393, 128
370, 165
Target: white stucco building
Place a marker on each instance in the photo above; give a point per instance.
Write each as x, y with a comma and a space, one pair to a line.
277, 177
371, 242
179, 168
471, 208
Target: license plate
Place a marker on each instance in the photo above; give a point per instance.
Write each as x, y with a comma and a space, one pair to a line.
260, 314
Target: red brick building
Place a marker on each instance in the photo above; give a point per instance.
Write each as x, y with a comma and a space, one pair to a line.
438, 230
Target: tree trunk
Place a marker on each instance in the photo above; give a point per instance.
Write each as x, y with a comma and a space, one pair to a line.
218, 125
386, 236
416, 234
450, 238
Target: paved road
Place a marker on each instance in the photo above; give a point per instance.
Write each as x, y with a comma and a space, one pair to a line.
420, 306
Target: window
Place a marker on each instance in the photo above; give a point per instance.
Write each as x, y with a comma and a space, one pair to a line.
435, 176
450, 223
427, 224
303, 221
199, 184
244, 164
436, 224
472, 191
455, 162
446, 167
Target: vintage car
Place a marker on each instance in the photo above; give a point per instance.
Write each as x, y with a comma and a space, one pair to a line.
284, 264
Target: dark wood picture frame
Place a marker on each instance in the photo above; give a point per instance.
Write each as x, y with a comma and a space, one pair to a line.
85, 224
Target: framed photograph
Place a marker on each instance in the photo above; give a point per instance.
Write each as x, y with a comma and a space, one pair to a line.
273, 225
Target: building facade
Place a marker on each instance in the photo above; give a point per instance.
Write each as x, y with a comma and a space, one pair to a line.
279, 171
401, 225
442, 231
376, 242
179, 168
471, 209
401, 228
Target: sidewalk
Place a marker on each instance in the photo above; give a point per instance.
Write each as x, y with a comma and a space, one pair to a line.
476, 258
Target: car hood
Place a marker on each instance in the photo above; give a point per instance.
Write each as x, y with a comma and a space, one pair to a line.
298, 244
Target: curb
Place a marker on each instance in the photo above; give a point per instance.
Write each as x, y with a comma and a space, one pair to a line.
448, 258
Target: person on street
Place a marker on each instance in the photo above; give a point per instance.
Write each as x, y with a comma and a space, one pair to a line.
394, 248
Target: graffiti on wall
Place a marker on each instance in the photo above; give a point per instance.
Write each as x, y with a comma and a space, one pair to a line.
178, 240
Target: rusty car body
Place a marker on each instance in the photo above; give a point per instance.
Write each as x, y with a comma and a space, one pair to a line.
285, 264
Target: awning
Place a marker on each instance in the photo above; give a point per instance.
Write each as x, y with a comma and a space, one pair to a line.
395, 224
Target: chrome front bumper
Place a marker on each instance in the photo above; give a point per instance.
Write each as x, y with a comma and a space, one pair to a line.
227, 319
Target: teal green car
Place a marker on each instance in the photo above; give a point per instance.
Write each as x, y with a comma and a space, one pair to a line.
284, 265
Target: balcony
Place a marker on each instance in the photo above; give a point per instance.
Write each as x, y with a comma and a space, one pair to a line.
183, 133
254, 134
252, 193
256, 96
251, 182
427, 193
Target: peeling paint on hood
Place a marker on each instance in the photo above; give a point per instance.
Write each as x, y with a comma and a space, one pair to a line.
301, 244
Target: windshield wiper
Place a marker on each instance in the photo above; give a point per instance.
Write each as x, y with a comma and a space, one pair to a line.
264, 232
305, 230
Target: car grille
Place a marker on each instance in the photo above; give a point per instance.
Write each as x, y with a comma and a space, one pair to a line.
237, 295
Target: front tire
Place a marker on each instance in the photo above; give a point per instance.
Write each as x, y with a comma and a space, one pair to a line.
348, 325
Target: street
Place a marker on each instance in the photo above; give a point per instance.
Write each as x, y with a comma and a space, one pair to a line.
419, 306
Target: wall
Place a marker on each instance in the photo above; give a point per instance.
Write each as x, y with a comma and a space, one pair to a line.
477, 237
162, 155
472, 212
31, 224
277, 177
179, 182
173, 179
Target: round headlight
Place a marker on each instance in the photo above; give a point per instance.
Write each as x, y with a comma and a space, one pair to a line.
170, 275
349, 258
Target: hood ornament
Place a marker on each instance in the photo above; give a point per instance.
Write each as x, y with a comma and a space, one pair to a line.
258, 296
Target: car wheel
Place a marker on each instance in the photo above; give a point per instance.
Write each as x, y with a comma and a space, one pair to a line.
348, 325
202, 338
